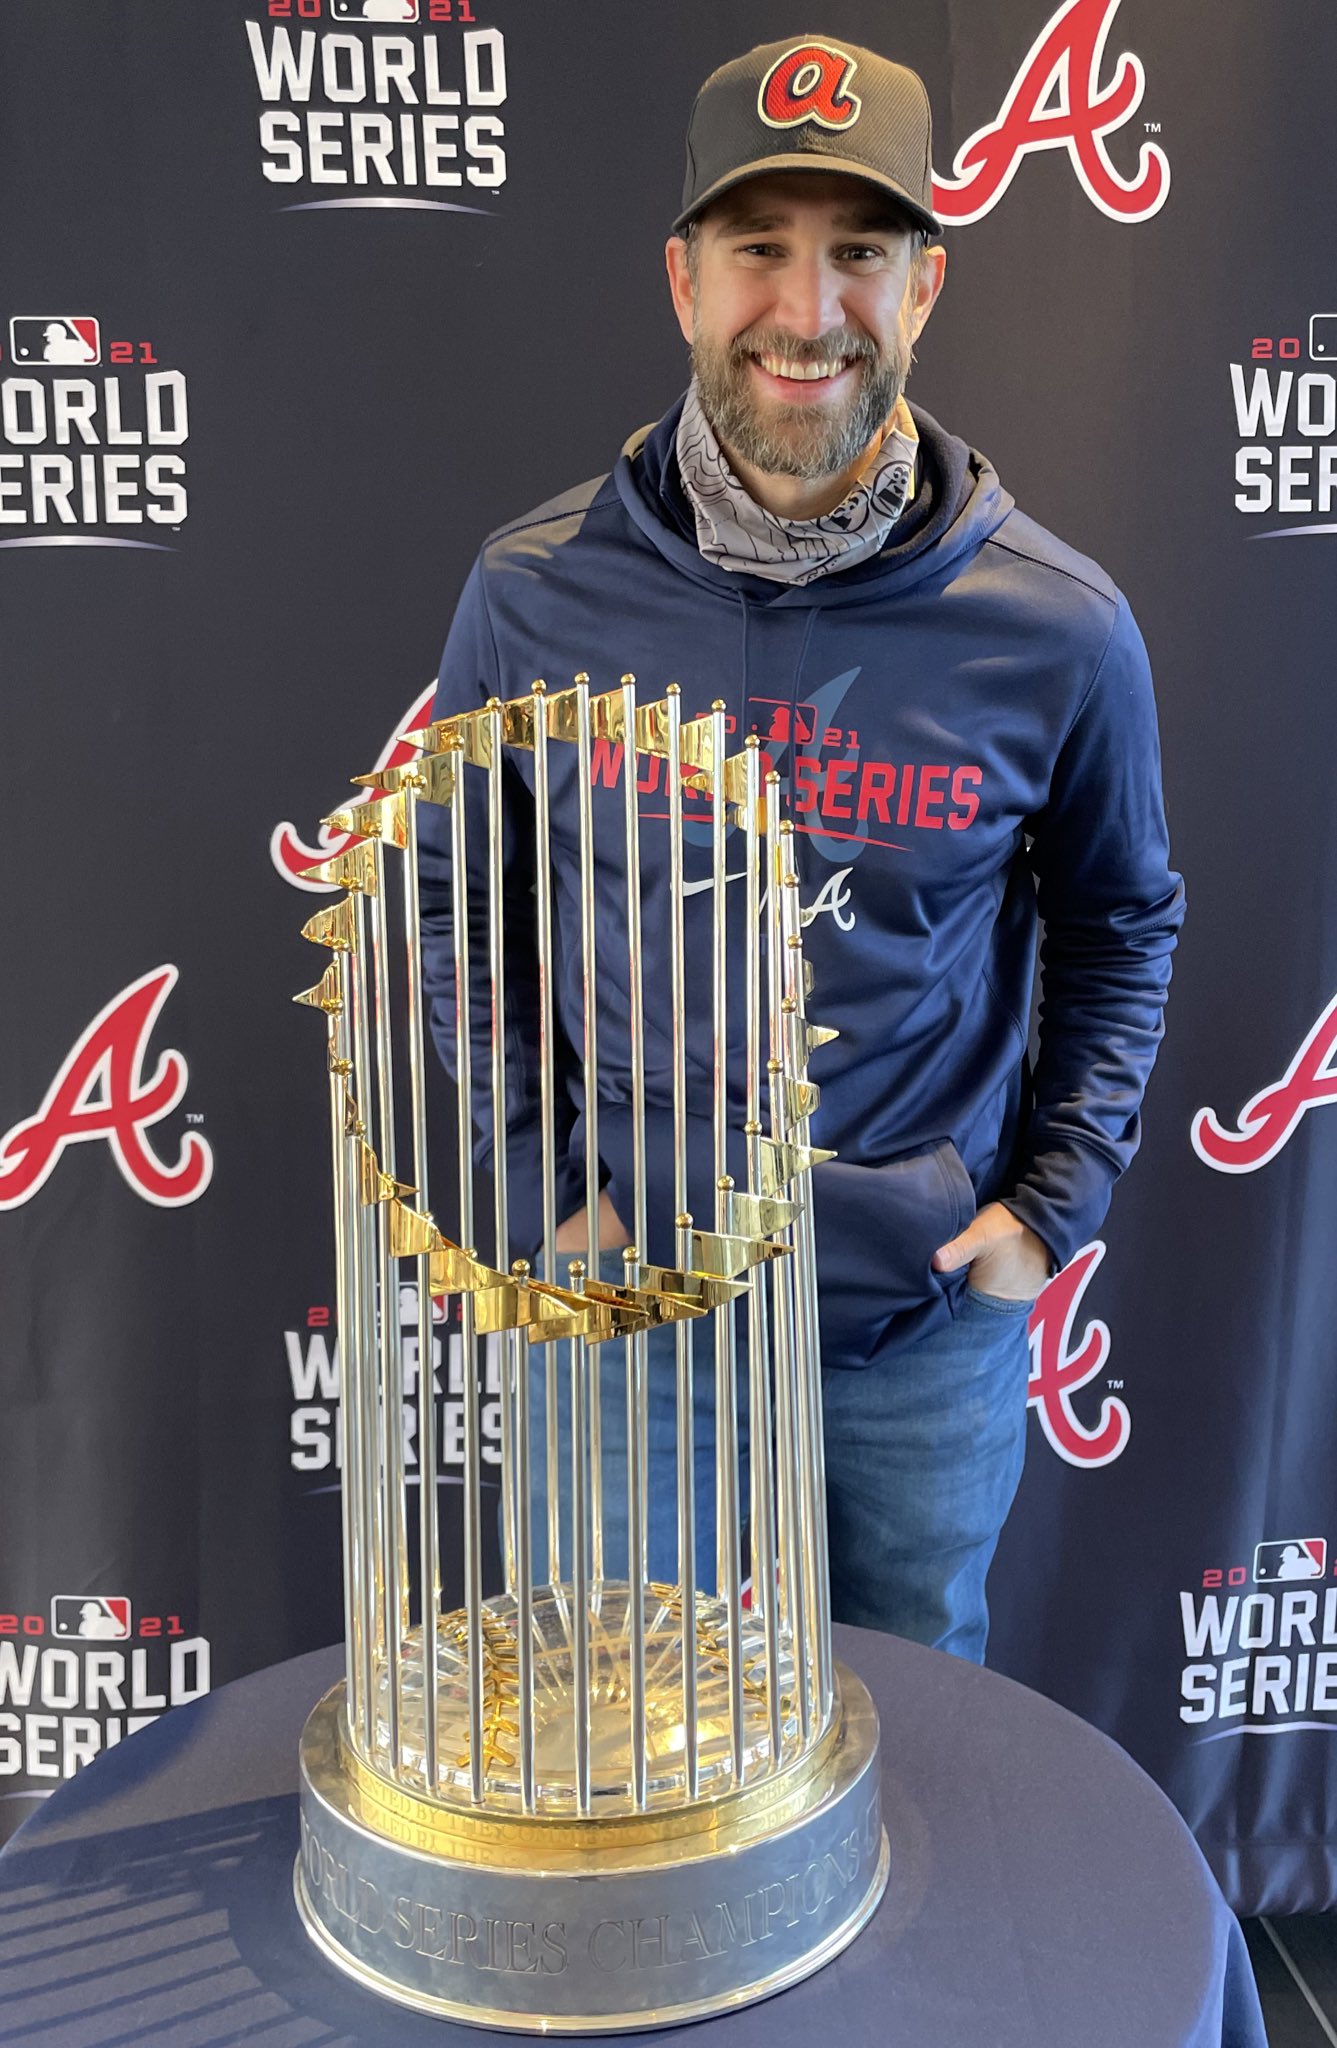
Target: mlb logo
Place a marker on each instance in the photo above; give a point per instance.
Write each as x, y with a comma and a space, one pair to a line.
90, 1617
1303, 1557
374, 10
781, 727
1323, 337
55, 338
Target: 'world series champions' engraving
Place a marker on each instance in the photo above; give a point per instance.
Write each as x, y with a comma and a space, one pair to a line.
481, 1940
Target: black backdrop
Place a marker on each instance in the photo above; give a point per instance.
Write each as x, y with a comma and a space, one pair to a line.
219, 621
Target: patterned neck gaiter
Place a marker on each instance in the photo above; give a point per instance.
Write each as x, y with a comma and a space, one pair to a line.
733, 530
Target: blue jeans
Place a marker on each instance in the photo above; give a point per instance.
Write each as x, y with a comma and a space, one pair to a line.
924, 1450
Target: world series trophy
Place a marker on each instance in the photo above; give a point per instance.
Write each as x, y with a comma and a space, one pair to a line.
593, 1802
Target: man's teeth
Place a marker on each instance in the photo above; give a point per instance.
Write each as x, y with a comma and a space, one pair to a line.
804, 373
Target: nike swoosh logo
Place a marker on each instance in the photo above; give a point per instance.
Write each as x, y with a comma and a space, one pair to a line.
708, 882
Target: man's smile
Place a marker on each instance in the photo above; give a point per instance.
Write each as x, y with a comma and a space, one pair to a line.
802, 383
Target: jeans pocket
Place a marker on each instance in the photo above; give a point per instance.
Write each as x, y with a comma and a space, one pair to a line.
877, 1230
996, 1304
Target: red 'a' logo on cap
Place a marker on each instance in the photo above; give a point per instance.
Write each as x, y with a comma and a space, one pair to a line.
101, 1092
1056, 101
809, 83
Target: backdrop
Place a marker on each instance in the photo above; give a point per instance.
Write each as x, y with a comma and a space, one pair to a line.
301, 298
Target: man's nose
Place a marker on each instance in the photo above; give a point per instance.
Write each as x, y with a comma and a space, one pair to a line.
808, 302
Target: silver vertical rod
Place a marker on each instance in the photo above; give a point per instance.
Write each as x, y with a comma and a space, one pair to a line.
591, 1080
368, 1394
350, 1491
691, 1738
636, 1354
686, 1472
496, 943
728, 1560
429, 1522
580, 1554
473, 1510
395, 1529
758, 1350
547, 1114
789, 1544
805, 1259
353, 1377
517, 1365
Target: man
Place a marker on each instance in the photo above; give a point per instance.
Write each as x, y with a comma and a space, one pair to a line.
961, 709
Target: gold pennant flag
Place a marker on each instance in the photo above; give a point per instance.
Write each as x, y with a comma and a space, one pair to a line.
608, 717
608, 714
652, 728
473, 730
354, 868
663, 1306
325, 995
431, 775
810, 1036
373, 1185
800, 1097
429, 739
558, 1313
455, 1271
560, 714
461, 734
412, 1232
505, 1307
382, 819
335, 926
697, 744
760, 1215
726, 1255
782, 1163
624, 1304
517, 721
695, 1293
733, 775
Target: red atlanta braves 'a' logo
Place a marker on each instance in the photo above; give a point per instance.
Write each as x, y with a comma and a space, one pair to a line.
290, 854
1058, 1369
811, 82
101, 1092
1269, 1118
1063, 62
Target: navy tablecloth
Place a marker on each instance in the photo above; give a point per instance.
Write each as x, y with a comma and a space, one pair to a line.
1043, 1894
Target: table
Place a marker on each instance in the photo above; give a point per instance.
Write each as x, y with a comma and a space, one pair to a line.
1044, 1893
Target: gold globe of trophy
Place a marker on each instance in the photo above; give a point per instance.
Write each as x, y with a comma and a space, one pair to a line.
592, 1802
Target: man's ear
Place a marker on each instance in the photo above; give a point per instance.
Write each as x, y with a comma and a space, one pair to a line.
927, 285
680, 283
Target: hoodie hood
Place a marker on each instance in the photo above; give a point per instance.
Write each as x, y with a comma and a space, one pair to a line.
958, 503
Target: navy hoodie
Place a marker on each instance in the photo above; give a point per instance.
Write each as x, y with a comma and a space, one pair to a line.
966, 733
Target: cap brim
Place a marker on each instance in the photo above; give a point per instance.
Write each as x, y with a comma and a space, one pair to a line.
809, 160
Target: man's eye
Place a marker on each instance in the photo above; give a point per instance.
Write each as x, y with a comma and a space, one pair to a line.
861, 252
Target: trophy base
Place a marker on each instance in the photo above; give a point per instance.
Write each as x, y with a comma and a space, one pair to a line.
549, 1924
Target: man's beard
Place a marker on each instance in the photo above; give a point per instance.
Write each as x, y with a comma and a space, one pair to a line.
808, 441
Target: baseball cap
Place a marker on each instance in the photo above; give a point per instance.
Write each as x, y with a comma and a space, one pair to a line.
811, 104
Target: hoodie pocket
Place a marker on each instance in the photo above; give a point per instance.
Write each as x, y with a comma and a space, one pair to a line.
877, 1230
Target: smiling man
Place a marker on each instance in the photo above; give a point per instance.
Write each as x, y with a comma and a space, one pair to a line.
961, 709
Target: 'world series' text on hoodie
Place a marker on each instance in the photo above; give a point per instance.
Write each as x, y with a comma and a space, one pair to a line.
966, 733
